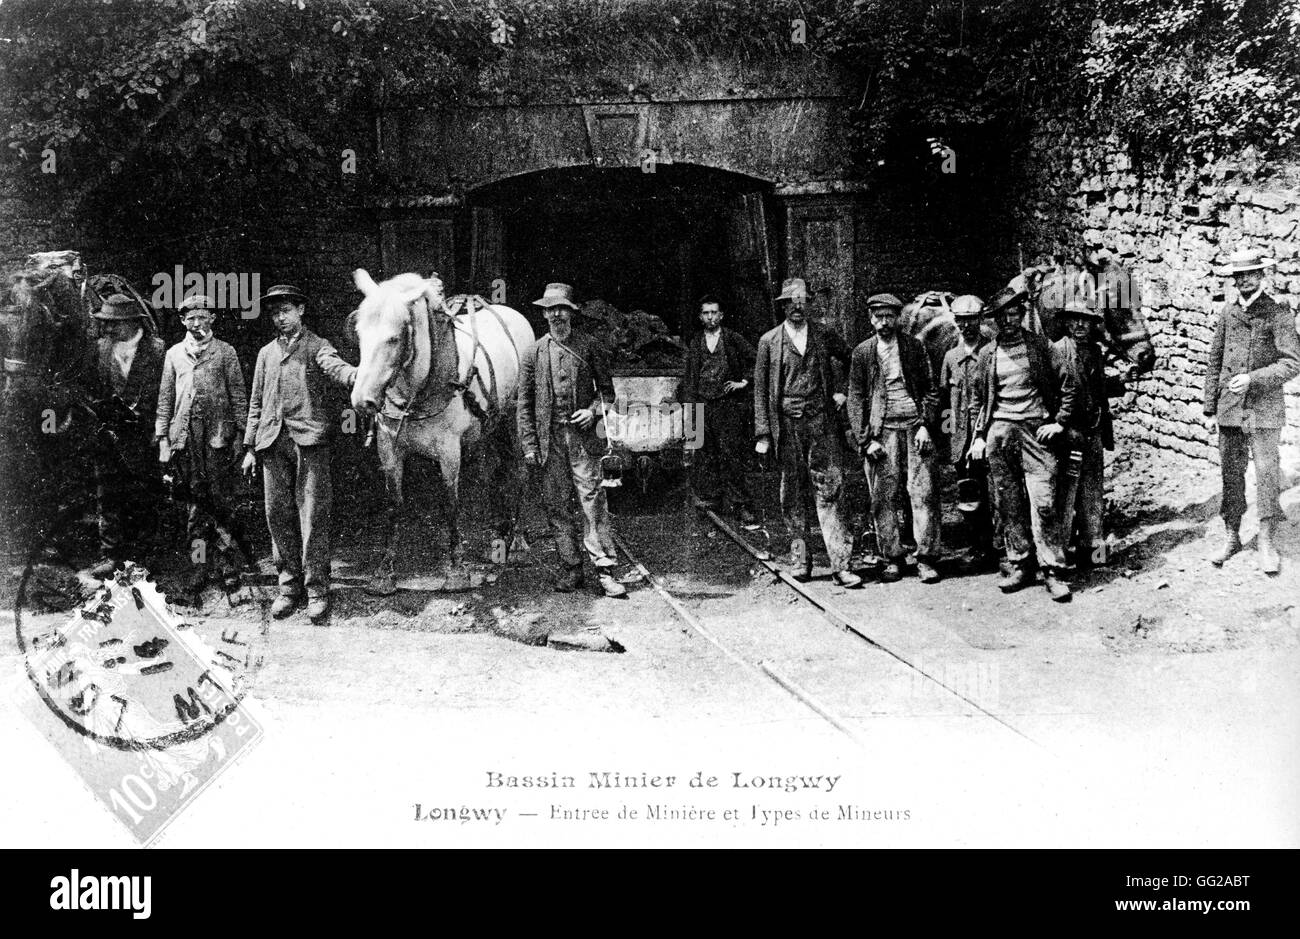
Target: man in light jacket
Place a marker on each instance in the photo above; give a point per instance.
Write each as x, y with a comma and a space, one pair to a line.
202, 410
288, 428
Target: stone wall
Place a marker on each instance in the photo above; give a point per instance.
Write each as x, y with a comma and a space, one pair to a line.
1171, 230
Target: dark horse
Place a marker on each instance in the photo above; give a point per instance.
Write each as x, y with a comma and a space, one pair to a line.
47, 342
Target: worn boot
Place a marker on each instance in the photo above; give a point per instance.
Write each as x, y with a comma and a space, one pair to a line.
1059, 589
1015, 577
1231, 544
1269, 561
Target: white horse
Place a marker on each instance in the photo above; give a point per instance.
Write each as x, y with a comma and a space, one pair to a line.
437, 385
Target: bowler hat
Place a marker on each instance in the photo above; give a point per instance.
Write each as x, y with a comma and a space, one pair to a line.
967, 306
557, 295
1247, 259
793, 287
1007, 296
120, 307
197, 301
884, 300
283, 292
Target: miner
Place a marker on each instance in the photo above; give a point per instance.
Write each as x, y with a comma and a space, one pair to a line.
1027, 398
893, 412
798, 396
1254, 353
128, 368
719, 364
564, 387
957, 378
1080, 486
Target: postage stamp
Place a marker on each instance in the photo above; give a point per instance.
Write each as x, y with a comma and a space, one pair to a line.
144, 707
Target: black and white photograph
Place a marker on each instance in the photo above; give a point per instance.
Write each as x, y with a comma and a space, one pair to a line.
651, 424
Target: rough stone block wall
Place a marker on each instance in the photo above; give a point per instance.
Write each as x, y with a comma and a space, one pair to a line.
1172, 232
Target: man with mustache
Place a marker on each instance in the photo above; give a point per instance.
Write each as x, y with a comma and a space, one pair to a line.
798, 393
564, 386
893, 407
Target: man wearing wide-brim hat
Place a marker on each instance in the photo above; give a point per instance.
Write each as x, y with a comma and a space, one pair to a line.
289, 428
128, 367
1027, 398
1081, 486
1255, 351
564, 388
799, 380
894, 415
202, 411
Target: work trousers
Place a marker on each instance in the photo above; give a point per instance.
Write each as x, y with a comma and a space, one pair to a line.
207, 473
719, 466
902, 468
1237, 446
1081, 497
810, 458
1024, 492
128, 492
569, 468
299, 504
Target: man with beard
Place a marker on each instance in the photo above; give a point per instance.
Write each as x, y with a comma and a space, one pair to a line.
798, 377
564, 384
893, 407
1028, 397
128, 368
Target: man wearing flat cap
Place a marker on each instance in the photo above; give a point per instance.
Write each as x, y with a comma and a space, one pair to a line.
957, 377
128, 367
202, 410
894, 414
564, 388
1080, 489
799, 378
1254, 353
289, 428
1027, 399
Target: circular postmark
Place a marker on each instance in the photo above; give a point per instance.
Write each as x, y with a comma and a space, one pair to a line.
123, 669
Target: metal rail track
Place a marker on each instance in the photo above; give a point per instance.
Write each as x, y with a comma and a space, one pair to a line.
767, 672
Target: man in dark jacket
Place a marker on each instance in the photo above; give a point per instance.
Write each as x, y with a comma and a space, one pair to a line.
1254, 353
128, 485
1028, 398
719, 364
798, 380
893, 412
564, 387
957, 376
1081, 486
289, 427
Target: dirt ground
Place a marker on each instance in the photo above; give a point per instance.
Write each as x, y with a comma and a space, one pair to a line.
1159, 707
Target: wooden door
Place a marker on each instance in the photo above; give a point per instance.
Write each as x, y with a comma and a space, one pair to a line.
419, 246
487, 267
819, 248
751, 266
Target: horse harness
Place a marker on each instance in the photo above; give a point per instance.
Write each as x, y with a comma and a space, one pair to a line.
455, 307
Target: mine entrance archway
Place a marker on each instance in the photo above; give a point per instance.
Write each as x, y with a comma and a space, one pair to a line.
637, 240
